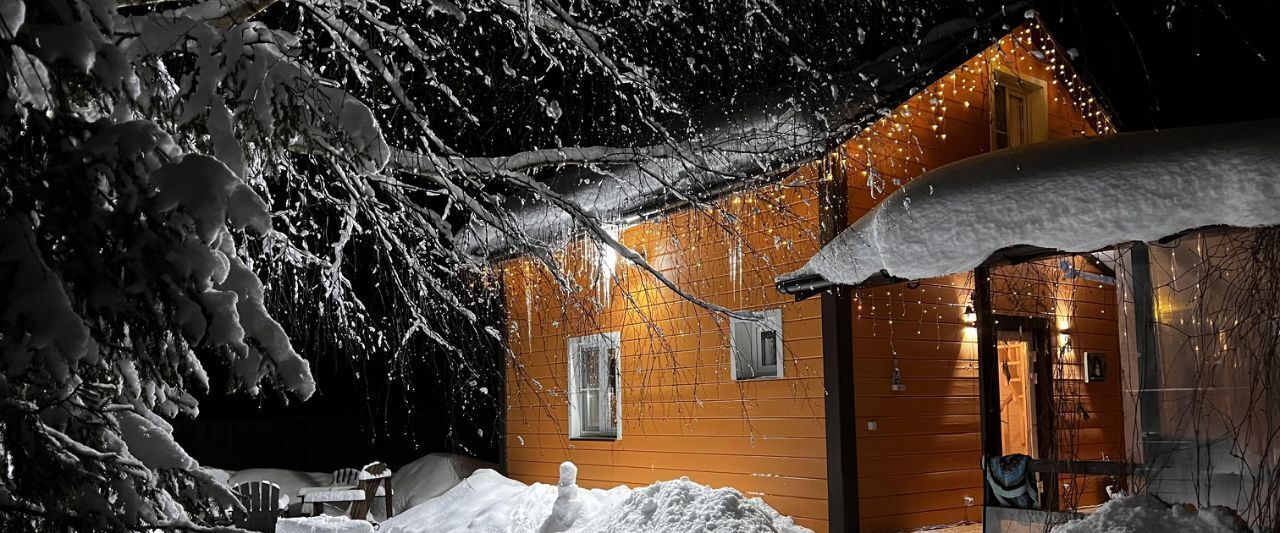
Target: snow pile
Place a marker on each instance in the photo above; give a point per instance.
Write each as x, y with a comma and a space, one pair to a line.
488, 502
1076, 195
681, 506
1136, 514
323, 524
430, 476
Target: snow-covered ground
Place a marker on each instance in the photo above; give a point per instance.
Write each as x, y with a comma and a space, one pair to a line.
442, 493
323, 524
487, 502
1139, 514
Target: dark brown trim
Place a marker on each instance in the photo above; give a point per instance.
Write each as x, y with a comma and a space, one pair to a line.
988, 373
1045, 356
1098, 264
1084, 468
837, 360
503, 353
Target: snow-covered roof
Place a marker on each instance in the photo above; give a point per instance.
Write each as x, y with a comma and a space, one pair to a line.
1076, 195
754, 135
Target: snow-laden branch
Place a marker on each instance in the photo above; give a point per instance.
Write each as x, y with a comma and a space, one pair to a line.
524, 161
417, 163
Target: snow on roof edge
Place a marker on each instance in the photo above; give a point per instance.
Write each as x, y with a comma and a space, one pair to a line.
610, 194
1075, 195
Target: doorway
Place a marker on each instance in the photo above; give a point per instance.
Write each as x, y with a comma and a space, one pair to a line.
1017, 394
1025, 375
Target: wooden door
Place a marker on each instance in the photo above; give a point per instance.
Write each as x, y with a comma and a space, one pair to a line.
1017, 414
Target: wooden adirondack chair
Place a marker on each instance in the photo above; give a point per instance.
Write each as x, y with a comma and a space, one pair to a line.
343, 479
372, 481
261, 501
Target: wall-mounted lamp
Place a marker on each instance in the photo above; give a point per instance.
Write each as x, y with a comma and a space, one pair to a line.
895, 381
969, 316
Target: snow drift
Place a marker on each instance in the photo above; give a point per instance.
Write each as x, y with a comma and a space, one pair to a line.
1136, 514
490, 503
430, 476
1076, 195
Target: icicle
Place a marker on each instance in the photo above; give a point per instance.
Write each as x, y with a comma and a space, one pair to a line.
605, 264
528, 306
735, 260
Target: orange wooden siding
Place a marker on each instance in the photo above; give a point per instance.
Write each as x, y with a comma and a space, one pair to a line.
684, 415
923, 459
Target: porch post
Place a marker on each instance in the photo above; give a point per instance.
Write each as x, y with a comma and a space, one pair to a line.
837, 359
1144, 320
988, 373
502, 352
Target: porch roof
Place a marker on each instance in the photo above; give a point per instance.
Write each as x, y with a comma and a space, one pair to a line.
1069, 196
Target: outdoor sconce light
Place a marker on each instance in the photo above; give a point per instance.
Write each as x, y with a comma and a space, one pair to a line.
895, 381
970, 316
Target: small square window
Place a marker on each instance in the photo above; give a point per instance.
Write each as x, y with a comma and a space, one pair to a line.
755, 345
595, 398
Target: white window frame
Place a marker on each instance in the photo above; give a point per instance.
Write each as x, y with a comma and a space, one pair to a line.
761, 322
603, 343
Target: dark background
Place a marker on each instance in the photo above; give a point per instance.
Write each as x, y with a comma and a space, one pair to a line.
1156, 64
392, 407
1170, 64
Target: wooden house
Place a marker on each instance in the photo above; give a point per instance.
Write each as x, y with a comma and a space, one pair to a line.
854, 410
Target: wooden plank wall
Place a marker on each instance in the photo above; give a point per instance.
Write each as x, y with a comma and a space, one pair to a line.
920, 466
683, 415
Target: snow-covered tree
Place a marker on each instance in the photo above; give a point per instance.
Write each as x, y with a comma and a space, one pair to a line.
175, 170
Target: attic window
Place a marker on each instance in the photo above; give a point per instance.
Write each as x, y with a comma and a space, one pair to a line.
1018, 111
756, 345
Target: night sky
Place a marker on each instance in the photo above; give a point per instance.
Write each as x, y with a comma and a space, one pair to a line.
1169, 64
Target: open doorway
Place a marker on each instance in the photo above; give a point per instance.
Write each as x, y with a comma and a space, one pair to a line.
1017, 393
1025, 378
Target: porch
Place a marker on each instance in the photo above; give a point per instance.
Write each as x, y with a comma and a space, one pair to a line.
1066, 283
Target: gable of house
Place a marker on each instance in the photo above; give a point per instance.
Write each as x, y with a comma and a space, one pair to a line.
683, 413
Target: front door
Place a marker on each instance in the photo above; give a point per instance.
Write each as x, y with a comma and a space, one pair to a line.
1017, 393
1025, 373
